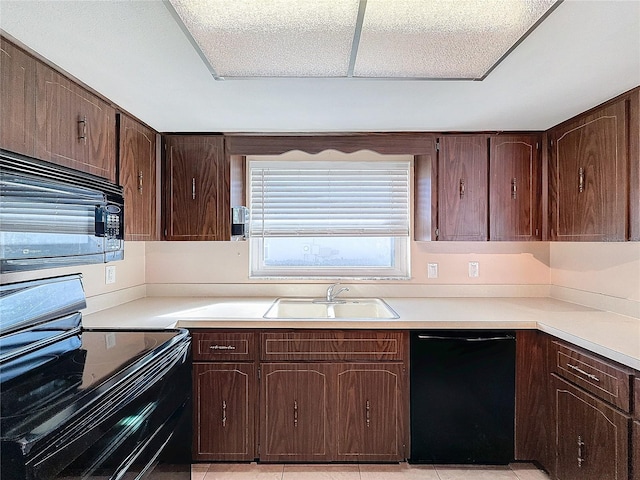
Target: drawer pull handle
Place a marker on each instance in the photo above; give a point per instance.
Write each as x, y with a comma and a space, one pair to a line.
222, 347
580, 452
586, 374
193, 188
295, 413
224, 413
514, 188
140, 178
462, 188
368, 413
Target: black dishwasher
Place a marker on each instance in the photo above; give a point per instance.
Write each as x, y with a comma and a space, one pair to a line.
462, 396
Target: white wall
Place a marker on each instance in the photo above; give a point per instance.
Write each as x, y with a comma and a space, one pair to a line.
222, 268
129, 285
604, 275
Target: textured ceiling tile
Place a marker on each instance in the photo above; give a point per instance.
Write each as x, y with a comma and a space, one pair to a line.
243, 38
441, 38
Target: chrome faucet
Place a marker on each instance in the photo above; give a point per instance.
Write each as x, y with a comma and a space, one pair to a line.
331, 296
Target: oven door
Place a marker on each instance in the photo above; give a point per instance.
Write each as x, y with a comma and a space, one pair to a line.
148, 438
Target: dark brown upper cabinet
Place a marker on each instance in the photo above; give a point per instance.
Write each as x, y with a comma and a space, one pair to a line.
514, 187
74, 127
17, 97
634, 170
138, 178
196, 192
588, 176
463, 187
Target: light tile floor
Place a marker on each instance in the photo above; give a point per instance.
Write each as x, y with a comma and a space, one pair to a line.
402, 471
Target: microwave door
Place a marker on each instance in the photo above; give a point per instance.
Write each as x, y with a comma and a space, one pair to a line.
40, 219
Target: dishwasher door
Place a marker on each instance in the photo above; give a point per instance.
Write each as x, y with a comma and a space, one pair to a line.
462, 397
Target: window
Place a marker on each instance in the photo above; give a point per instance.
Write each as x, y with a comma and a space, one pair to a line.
329, 219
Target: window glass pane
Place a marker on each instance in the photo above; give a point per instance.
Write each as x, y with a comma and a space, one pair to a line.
329, 251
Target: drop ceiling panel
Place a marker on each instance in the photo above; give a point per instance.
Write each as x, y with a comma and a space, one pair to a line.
276, 38
455, 39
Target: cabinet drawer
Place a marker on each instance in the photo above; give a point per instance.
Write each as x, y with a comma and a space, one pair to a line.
236, 346
334, 345
603, 379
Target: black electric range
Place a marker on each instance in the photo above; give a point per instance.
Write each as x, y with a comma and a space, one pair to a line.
81, 403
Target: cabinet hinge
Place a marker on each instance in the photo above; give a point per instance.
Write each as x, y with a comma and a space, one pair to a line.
437, 146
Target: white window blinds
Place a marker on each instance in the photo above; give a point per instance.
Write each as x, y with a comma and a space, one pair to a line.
311, 198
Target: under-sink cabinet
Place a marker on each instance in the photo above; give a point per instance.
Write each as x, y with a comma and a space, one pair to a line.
300, 395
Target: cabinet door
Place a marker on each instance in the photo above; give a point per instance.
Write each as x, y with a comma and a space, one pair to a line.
295, 412
588, 177
73, 127
197, 176
224, 411
514, 187
592, 438
463, 187
138, 177
17, 98
370, 414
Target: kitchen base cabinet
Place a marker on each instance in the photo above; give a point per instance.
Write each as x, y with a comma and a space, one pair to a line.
225, 395
224, 411
369, 421
592, 438
534, 436
635, 451
295, 412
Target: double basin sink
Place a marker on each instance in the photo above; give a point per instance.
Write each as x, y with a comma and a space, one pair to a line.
317, 308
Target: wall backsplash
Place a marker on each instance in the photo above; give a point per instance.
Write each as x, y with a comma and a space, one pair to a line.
602, 275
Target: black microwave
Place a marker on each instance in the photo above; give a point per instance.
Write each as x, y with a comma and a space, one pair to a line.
53, 216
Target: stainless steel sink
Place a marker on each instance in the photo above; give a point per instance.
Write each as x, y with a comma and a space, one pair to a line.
317, 309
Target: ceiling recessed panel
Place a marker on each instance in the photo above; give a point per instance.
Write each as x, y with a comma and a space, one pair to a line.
272, 38
447, 39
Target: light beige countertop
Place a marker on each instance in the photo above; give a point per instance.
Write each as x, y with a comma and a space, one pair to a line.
614, 336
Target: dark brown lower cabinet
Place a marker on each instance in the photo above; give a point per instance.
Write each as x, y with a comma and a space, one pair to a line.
635, 452
369, 422
224, 411
321, 412
294, 412
592, 438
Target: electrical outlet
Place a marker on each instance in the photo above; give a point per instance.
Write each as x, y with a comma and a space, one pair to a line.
474, 269
110, 274
432, 270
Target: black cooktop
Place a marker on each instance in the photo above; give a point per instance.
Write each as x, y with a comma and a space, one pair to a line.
58, 380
